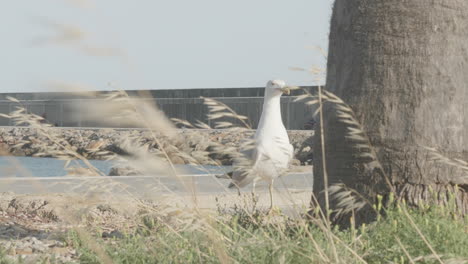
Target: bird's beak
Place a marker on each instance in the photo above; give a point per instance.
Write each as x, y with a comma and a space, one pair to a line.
287, 89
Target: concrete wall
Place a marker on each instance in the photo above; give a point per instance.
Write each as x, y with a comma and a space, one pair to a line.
57, 108
179, 93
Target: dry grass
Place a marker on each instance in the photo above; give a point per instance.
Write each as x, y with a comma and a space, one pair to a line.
164, 233
207, 236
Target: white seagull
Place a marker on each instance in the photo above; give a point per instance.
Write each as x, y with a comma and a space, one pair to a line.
271, 153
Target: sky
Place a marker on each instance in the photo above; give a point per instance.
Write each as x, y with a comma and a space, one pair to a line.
157, 44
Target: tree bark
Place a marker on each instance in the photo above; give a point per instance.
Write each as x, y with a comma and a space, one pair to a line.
402, 66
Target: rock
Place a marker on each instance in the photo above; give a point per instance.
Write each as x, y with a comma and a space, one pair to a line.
113, 234
17, 152
96, 144
106, 208
94, 136
295, 162
303, 150
39, 248
4, 149
17, 231
125, 171
115, 148
88, 141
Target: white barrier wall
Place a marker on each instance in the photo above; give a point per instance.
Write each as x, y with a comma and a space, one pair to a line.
61, 113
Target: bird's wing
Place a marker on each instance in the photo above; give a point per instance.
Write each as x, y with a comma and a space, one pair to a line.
291, 153
286, 149
242, 174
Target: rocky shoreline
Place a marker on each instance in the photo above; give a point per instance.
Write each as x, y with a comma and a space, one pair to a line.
19, 141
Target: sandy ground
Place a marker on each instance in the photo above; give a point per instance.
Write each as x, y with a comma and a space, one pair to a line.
33, 227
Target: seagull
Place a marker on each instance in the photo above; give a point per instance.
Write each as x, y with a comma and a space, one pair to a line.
270, 153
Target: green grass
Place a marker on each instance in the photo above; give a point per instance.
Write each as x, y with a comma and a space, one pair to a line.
446, 232
293, 242
3, 259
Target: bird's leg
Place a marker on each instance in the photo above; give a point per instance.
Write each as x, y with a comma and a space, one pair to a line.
253, 186
254, 183
270, 187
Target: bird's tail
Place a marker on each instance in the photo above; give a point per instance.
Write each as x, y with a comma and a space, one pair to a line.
227, 176
224, 176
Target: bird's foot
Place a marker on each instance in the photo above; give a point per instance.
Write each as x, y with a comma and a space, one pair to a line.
273, 211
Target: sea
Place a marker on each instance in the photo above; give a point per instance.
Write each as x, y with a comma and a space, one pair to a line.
51, 167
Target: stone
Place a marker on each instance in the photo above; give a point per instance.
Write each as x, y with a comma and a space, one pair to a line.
185, 140
38, 248
295, 162
125, 171
17, 230
113, 234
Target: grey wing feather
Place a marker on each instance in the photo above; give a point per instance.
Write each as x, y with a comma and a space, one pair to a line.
242, 176
224, 176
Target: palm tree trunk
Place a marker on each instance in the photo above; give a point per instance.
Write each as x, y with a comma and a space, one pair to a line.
402, 66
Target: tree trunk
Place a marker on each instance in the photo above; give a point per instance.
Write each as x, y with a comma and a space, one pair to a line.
402, 66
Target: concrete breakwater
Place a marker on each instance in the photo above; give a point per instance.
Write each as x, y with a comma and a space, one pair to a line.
185, 104
199, 143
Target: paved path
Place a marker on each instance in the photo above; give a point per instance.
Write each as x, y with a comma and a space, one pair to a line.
144, 186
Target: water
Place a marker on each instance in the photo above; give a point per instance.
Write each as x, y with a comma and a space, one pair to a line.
28, 175
50, 167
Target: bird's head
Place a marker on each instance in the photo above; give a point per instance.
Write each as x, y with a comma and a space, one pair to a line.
277, 87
